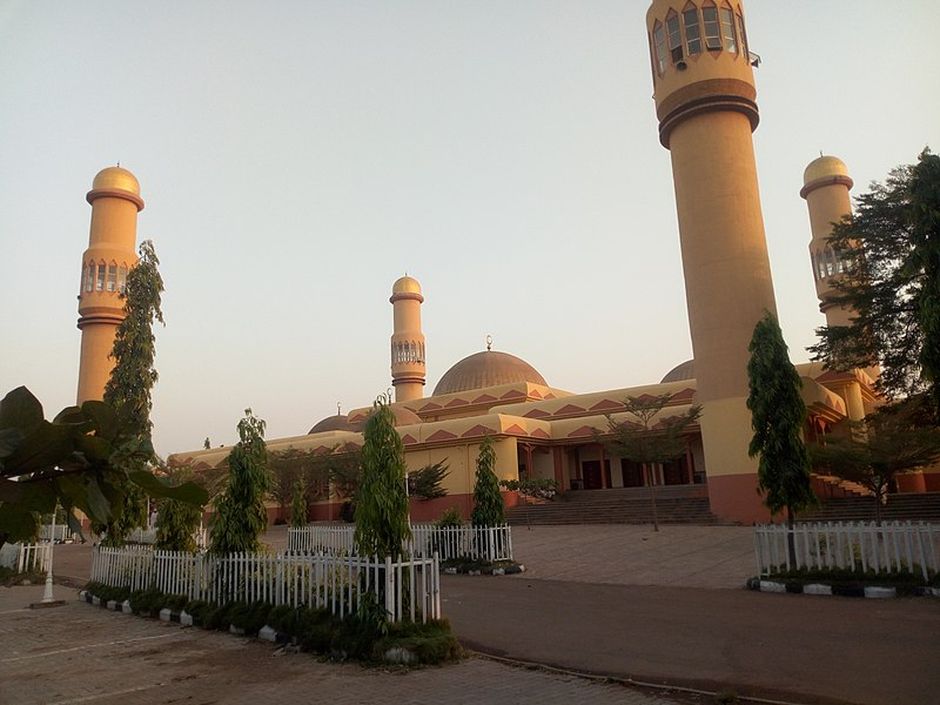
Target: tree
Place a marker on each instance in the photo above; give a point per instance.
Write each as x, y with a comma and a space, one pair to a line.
128, 389
298, 507
777, 417
425, 483
647, 443
381, 512
487, 499
80, 459
177, 521
241, 516
890, 250
891, 441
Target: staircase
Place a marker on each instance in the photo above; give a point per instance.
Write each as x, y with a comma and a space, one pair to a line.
675, 504
828, 486
900, 507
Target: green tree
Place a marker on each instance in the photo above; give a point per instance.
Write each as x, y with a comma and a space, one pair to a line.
298, 507
891, 251
177, 521
241, 516
79, 459
487, 499
891, 441
381, 511
426, 483
649, 437
128, 389
777, 417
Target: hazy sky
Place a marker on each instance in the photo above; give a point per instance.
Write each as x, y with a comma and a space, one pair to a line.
297, 157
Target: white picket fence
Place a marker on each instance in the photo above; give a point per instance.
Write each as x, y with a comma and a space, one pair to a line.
149, 537
34, 557
449, 542
891, 547
62, 533
411, 589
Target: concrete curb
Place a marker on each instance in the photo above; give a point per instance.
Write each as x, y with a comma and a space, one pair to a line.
873, 592
508, 570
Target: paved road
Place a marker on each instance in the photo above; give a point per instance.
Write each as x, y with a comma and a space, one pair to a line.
873, 652
84, 654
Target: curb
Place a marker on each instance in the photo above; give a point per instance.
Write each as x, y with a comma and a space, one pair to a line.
872, 592
508, 570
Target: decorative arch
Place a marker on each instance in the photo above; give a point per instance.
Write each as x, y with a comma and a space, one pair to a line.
692, 25
728, 35
711, 25
659, 48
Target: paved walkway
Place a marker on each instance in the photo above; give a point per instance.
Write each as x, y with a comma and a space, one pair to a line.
84, 654
684, 556
799, 647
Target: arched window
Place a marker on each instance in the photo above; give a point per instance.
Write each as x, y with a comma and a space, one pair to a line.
693, 30
830, 262
742, 35
712, 29
112, 276
674, 36
727, 30
659, 47
89, 276
412, 353
102, 272
122, 277
819, 261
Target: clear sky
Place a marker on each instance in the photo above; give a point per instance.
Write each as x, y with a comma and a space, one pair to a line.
297, 157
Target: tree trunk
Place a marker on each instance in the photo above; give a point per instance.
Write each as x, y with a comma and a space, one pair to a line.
791, 543
878, 494
652, 480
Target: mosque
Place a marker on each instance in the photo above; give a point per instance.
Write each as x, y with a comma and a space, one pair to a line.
702, 71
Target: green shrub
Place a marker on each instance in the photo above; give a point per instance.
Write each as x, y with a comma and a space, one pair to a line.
221, 617
147, 601
256, 618
199, 610
281, 618
450, 518
432, 642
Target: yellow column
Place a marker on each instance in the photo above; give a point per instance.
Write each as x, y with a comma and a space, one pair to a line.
826, 185
407, 345
705, 101
115, 201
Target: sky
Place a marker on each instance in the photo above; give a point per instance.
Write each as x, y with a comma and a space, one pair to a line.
297, 157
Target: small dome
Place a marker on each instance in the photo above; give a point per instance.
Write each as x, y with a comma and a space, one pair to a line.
405, 416
406, 285
487, 369
114, 178
336, 422
681, 372
823, 167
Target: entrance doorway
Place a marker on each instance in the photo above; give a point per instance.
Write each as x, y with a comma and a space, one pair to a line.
591, 472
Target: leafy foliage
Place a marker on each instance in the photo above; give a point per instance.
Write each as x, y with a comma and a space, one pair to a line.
425, 482
487, 499
450, 518
79, 459
381, 511
777, 417
177, 521
891, 441
298, 507
128, 389
535, 487
642, 441
892, 245
241, 517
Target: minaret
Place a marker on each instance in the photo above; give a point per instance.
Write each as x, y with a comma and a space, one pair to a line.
115, 201
705, 101
408, 361
826, 185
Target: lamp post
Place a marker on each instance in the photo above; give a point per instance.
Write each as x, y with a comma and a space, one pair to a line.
47, 596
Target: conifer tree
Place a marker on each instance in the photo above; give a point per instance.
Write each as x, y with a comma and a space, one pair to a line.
487, 499
777, 417
381, 513
128, 390
241, 516
298, 507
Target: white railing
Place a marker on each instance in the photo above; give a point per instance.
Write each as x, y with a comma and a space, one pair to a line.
62, 533
34, 557
410, 589
489, 543
892, 547
149, 537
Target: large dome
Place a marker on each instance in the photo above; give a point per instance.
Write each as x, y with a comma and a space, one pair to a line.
336, 422
681, 372
487, 369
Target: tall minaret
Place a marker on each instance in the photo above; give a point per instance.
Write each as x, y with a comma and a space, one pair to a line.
115, 201
705, 101
826, 185
408, 361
